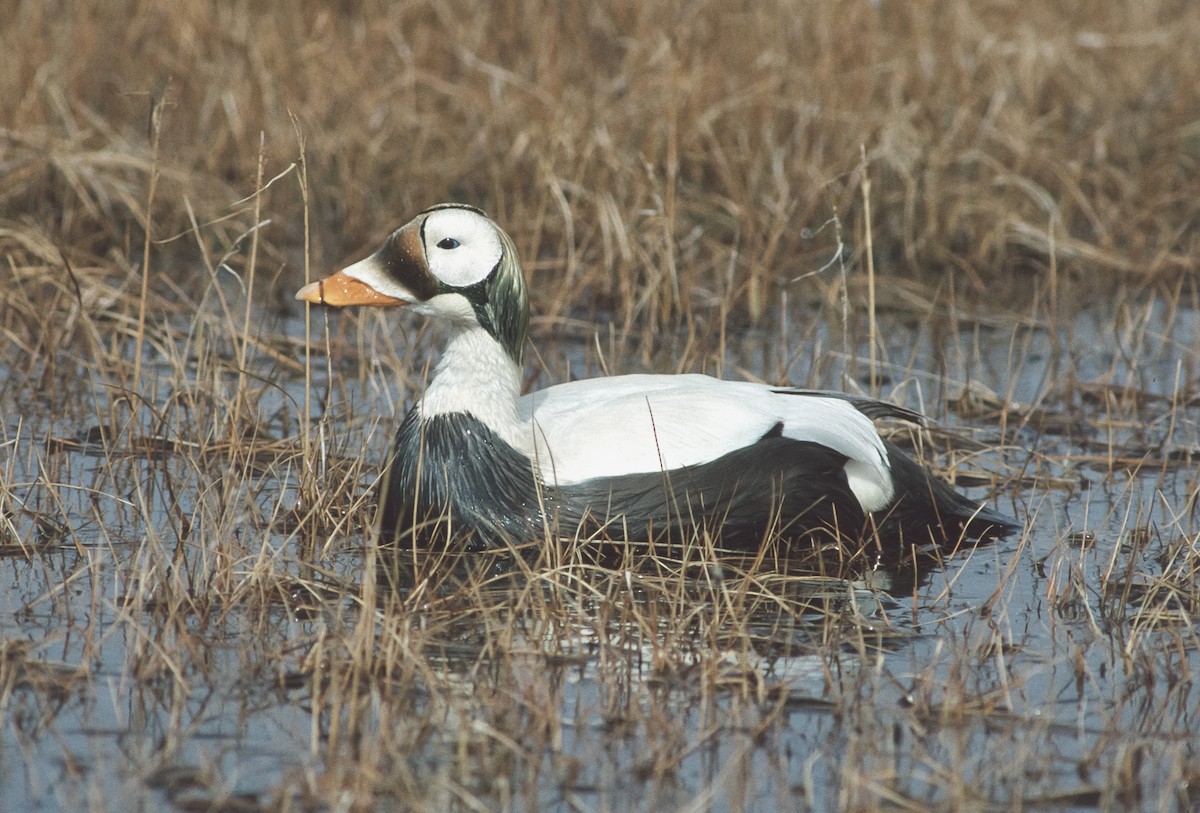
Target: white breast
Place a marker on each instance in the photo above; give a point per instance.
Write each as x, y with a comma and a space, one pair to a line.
606, 427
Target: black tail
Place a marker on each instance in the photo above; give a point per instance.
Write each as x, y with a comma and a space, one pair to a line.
927, 510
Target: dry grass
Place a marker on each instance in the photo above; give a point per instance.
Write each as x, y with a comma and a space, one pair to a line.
671, 159
190, 615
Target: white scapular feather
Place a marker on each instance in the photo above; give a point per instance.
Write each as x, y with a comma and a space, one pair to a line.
605, 427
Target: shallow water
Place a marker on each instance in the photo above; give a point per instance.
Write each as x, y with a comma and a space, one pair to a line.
143, 667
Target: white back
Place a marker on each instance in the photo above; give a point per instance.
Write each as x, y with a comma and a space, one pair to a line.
606, 427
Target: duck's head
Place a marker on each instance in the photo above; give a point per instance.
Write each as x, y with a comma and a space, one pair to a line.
451, 262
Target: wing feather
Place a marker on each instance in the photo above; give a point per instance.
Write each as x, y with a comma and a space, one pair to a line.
608, 427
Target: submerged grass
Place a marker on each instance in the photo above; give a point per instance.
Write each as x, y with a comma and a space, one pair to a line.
191, 612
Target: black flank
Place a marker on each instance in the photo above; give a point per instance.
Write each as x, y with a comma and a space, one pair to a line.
792, 488
454, 481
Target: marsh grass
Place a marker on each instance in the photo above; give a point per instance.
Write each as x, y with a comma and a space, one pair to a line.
191, 611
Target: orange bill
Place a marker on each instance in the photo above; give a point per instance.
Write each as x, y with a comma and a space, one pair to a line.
340, 290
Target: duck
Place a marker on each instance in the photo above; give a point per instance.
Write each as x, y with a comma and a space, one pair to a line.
633, 458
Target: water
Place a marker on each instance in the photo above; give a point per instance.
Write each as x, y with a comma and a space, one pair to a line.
161, 645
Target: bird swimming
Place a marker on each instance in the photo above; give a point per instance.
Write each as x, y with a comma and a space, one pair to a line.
633, 457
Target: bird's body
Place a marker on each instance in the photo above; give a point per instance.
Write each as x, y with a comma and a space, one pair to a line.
635, 457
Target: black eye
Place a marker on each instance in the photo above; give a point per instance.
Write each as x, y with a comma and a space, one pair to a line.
448, 242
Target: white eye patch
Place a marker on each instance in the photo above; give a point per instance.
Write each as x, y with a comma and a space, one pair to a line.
461, 246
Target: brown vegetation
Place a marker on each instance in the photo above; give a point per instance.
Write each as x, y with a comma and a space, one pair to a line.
190, 611
692, 147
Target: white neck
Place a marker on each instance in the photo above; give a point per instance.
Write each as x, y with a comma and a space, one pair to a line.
476, 376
